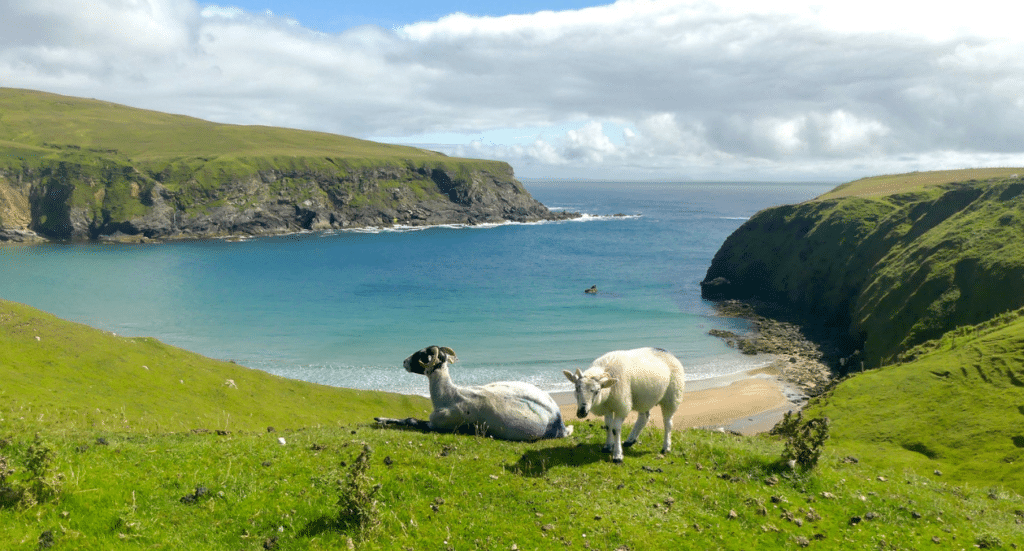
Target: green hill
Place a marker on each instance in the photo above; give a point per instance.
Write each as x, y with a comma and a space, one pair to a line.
73, 168
955, 406
64, 376
885, 271
50, 124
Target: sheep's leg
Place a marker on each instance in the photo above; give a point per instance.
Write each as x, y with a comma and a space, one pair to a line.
615, 431
407, 422
608, 434
641, 422
667, 414
450, 419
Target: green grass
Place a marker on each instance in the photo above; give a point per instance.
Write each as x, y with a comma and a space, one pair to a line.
71, 377
124, 458
956, 405
892, 184
40, 121
35, 126
463, 492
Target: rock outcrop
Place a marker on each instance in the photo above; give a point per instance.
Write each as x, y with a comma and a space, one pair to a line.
68, 201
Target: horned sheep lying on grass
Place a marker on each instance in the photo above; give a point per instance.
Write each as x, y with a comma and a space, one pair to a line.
630, 380
507, 410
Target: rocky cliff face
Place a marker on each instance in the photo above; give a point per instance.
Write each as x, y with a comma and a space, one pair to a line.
886, 272
107, 199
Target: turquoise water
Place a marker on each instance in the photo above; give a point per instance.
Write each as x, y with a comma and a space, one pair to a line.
345, 308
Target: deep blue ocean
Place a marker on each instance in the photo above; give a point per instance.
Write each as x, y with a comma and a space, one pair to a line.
344, 308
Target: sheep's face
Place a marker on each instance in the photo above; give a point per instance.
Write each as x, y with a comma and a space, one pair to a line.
427, 360
588, 390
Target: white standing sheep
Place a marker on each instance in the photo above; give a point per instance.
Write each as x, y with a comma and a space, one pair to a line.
507, 410
630, 380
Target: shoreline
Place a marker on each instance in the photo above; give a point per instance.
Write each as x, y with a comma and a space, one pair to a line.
747, 403
751, 401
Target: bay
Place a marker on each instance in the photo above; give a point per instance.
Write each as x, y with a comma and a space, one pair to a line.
344, 308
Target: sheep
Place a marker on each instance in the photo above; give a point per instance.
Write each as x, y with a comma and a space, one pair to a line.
630, 380
506, 410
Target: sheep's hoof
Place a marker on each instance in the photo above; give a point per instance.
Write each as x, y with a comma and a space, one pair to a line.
628, 444
606, 449
664, 451
617, 460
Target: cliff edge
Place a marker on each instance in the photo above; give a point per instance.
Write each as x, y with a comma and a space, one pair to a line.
74, 169
885, 263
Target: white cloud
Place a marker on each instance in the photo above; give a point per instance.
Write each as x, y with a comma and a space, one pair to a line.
588, 143
636, 88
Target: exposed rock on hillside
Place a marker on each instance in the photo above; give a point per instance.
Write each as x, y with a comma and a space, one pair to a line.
883, 273
61, 200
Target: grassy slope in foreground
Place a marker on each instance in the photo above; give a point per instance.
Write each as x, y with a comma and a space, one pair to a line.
73, 377
123, 483
956, 405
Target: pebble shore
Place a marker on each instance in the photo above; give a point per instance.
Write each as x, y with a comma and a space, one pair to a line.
800, 361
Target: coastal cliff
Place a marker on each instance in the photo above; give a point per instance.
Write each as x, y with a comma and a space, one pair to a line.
884, 267
75, 169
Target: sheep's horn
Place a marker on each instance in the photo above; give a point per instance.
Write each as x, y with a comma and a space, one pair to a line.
450, 353
432, 358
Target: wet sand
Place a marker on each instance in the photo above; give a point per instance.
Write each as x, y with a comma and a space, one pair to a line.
748, 403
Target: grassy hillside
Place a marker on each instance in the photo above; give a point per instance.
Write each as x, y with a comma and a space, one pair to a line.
71, 377
890, 271
891, 184
102, 446
954, 405
74, 168
50, 124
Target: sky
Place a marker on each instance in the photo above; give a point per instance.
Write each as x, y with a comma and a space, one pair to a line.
733, 90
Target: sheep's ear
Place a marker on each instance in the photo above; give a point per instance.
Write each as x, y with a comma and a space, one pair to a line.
569, 375
450, 355
607, 382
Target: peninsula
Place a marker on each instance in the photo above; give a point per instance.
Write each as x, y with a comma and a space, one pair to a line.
81, 169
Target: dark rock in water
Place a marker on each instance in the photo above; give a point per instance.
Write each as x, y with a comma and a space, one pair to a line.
715, 289
19, 236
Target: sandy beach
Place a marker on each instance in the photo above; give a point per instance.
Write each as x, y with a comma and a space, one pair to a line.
748, 403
